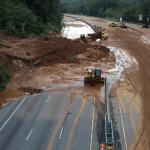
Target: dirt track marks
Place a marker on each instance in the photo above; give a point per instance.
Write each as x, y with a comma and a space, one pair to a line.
75, 123
50, 146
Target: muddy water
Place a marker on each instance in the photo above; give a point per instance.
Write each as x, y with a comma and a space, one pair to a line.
126, 87
8, 96
123, 61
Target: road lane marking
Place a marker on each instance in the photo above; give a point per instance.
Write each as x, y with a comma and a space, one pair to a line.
49, 98
92, 127
61, 133
12, 114
29, 135
50, 146
75, 124
123, 127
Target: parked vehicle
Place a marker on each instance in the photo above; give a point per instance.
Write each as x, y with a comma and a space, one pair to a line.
113, 24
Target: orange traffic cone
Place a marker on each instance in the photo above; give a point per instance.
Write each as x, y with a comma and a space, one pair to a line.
102, 147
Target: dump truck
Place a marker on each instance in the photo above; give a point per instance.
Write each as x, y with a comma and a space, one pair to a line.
98, 35
94, 76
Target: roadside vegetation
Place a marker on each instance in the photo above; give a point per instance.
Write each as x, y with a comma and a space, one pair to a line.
5, 76
129, 10
26, 17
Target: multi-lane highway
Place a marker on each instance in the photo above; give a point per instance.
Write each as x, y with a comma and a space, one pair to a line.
56, 121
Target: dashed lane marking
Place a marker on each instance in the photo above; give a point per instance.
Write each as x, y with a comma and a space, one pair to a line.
29, 135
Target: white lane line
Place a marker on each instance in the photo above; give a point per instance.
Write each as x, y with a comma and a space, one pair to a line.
61, 133
49, 98
123, 127
29, 135
12, 114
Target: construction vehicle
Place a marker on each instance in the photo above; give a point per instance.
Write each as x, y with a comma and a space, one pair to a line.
145, 26
94, 76
85, 39
123, 25
113, 24
98, 35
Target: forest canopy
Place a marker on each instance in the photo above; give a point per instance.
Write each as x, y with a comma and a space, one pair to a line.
129, 10
30, 16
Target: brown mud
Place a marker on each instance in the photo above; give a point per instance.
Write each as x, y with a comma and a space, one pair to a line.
56, 69
8, 96
134, 83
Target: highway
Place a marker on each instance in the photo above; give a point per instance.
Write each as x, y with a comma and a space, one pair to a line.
51, 122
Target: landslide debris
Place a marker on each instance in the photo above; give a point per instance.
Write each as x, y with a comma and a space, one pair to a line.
30, 90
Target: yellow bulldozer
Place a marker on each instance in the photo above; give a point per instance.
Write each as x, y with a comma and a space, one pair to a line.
94, 76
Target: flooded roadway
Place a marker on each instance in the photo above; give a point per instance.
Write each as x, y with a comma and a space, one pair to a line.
127, 104
124, 85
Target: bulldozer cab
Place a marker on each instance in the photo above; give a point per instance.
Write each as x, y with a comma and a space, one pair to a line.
104, 35
98, 72
82, 36
94, 76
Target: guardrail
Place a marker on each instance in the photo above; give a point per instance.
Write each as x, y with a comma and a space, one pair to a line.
106, 98
111, 19
82, 21
109, 134
108, 123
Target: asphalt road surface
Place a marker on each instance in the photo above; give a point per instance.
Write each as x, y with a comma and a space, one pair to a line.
130, 95
57, 121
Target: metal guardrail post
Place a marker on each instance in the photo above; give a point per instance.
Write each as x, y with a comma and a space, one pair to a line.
107, 98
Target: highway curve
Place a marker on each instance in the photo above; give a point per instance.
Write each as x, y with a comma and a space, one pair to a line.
132, 90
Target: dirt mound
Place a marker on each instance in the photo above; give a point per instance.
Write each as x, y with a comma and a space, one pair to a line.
73, 49
94, 54
40, 47
32, 48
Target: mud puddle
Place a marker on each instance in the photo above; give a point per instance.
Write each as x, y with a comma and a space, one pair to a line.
123, 61
8, 96
83, 89
127, 87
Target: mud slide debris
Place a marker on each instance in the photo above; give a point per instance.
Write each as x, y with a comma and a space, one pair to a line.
30, 90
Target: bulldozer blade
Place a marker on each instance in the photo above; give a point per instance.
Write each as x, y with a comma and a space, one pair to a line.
87, 80
99, 81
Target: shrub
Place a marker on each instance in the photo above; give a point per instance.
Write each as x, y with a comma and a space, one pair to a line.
5, 76
19, 19
72, 58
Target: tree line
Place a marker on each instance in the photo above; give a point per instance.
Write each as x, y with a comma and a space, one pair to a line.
30, 16
129, 10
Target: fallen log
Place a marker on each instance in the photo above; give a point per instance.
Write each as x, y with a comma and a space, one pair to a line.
4, 45
30, 90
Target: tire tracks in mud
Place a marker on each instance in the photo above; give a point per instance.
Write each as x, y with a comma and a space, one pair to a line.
141, 52
68, 146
